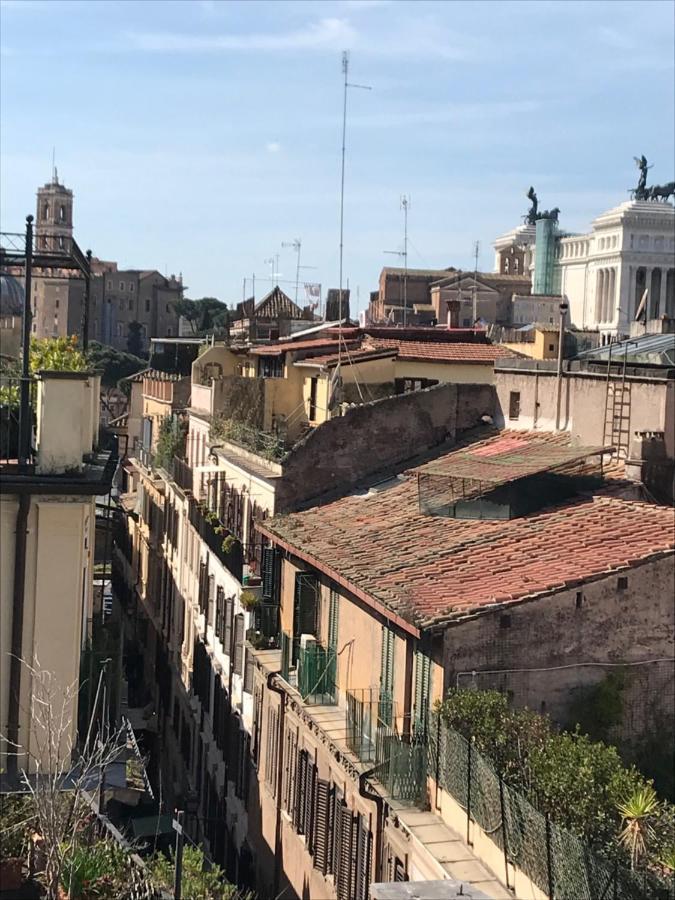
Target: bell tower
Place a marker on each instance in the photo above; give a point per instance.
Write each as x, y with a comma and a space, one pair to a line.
54, 219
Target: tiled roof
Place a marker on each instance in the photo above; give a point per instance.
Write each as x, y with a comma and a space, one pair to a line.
419, 273
429, 569
445, 352
275, 305
292, 346
350, 356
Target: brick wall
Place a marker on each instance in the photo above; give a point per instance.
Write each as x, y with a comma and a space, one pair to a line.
379, 435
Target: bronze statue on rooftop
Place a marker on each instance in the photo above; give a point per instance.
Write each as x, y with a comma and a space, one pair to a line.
533, 213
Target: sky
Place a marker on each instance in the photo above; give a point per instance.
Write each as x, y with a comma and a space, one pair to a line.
199, 136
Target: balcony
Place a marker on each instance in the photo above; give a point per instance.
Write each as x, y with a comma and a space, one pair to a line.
224, 545
311, 668
182, 474
393, 743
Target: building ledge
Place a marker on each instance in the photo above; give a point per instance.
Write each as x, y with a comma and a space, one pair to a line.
94, 478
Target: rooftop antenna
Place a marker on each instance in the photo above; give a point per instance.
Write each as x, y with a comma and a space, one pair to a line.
273, 263
297, 246
405, 206
364, 87
476, 250
55, 179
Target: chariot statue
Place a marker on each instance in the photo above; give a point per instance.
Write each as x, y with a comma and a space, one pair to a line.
656, 192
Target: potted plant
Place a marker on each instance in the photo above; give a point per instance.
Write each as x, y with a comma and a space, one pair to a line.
229, 543
248, 600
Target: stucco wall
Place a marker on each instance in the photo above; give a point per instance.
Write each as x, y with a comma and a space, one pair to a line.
371, 437
596, 622
652, 406
456, 373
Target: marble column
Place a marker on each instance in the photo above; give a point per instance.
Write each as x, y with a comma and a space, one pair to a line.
598, 296
662, 298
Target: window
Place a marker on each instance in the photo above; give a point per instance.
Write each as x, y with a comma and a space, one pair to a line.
579, 599
271, 367
131, 305
62, 213
131, 287
305, 612
507, 266
514, 404
56, 304
121, 285
551, 348
621, 583
311, 415
168, 307
147, 305
238, 666
109, 284
45, 211
168, 332
516, 266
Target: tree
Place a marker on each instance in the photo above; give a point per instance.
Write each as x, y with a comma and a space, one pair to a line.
638, 813
112, 364
135, 339
205, 314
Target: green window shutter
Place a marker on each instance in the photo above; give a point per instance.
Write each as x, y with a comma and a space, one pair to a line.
333, 617
270, 574
422, 689
387, 675
305, 612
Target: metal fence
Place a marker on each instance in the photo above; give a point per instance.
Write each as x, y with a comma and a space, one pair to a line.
558, 862
317, 670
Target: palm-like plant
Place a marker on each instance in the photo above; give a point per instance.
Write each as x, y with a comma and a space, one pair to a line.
637, 812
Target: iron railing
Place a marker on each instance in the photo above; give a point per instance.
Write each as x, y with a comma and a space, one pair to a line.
317, 674
367, 710
10, 421
221, 542
182, 473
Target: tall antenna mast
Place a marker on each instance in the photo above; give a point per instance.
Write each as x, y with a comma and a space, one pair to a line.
347, 84
53, 164
476, 249
297, 246
405, 204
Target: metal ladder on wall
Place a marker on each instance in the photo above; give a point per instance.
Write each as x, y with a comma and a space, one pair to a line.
616, 430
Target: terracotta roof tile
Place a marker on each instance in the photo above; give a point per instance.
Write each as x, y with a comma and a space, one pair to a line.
445, 352
277, 304
428, 569
291, 346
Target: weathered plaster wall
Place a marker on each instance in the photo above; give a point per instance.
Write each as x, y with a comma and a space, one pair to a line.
372, 437
596, 622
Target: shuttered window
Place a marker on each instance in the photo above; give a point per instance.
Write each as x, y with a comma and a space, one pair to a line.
270, 574
345, 854
306, 604
323, 809
386, 676
290, 773
248, 674
227, 628
300, 784
363, 860
422, 690
257, 721
211, 599
238, 666
272, 749
220, 612
333, 616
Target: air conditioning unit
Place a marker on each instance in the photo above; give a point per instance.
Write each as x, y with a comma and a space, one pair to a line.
307, 640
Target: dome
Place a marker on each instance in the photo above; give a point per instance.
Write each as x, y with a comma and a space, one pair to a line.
11, 296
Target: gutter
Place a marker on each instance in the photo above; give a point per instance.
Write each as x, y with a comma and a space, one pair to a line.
16, 660
280, 775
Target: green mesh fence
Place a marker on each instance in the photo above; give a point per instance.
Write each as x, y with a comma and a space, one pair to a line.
558, 862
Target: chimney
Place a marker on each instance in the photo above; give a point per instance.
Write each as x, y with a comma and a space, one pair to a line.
66, 430
646, 447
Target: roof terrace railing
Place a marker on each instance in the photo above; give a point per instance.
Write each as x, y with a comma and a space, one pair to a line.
10, 424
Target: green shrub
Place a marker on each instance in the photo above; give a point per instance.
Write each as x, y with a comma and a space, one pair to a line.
197, 883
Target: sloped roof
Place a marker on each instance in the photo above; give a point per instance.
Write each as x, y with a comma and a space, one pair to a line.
428, 569
650, 349
277, 305
450, 352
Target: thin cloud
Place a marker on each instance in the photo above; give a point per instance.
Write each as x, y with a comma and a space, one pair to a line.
273, 147
326, 33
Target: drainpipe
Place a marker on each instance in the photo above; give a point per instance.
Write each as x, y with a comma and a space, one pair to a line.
280, 775
17, 631
561, 341
367, 793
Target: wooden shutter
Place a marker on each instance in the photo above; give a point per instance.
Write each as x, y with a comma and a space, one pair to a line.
248, 674
227, 634
305, 612
270, 574
344, 861
301, 784
386, 675
310, 803
422, 687
334, 855
363, 861
321, 825
238, 667
333, 615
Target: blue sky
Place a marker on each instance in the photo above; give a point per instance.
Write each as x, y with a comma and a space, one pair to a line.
197, 136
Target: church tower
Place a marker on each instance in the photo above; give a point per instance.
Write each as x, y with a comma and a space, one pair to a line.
54, 219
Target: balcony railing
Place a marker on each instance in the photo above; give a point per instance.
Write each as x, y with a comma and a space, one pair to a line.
182, 473
222, 543
377, 734
10, 422
311, 669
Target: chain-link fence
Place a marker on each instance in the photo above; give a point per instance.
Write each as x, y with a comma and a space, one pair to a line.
556, 861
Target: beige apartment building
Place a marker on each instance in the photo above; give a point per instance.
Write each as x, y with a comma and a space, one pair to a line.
47, 522
289, 648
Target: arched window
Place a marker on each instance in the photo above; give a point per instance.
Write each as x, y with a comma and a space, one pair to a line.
62, 213
516, 266
45, 211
